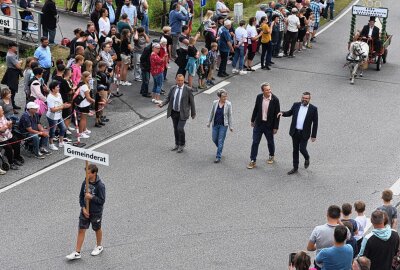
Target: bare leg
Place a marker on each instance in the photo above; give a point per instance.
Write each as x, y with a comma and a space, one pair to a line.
79, 241
99, 237
82, 123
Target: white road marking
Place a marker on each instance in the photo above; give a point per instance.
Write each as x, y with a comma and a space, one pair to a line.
216, 87
61, 162
337, 18
258, 66
396, 187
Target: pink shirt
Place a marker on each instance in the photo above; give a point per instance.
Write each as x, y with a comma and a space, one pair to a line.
76, 74
265, 105
6, 135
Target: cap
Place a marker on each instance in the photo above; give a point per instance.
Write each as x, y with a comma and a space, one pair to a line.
92, 42
32, 105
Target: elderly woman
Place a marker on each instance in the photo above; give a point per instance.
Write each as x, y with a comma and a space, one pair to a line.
221, 117
6, 103
9, 143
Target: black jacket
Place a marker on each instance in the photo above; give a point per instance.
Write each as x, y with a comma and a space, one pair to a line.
49, 16
310, 120
145, 58
115, 12
375, 32
273, 110
94, 17
98, 190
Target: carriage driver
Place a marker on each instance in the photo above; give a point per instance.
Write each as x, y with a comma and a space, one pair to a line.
370, 31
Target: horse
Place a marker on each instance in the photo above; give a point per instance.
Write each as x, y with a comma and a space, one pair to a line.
358, 54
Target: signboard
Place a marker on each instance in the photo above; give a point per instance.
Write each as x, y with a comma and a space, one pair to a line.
86, 154
6, 21
370, 11
203, 3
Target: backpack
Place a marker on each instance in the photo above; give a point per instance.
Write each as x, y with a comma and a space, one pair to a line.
77, 98
139, 11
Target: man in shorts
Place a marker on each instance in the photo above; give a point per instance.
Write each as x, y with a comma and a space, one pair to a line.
97, 196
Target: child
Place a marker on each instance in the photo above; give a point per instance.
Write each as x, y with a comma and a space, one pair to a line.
351, 224
103, 84
361, 220
203, 68
76, 69
390, 210
191, 66
310, 30
211, 57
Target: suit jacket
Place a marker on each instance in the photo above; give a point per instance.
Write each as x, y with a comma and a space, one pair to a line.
187, 107
227, 113
115, 12
273, 110
310, 120
375, 32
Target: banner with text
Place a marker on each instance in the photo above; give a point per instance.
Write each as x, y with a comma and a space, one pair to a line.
370, 11
86, 154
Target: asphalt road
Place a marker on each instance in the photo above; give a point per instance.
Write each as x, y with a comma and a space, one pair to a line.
181, 211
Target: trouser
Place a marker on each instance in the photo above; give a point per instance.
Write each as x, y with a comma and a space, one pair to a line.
218, 137
278, 44
6, 11
239, 56
266, 54
13, 93
39, 142
377, 45
179, 126
11, 149
144, 89
290, 39
258, 131
145, 23
182, 70
158, 82
299, 144
25, 25
46, 75
136, 63
53, 124
331, 7
49, 33
118, 12
175, 38
224, 61
74, 7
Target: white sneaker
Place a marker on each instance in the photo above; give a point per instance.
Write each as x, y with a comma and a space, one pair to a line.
53, 147
153, 100
87, 132
242, 72
97, 250
71, 128
280, 54
84, 136
158, 102
68, 132
61, 144
73, 256
235, 70
2, 172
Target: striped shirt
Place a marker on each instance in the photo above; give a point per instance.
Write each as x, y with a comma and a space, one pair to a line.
316, 9
281, 20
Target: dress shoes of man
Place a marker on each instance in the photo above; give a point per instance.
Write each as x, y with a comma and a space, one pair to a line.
180, 149
306, 163
292, 171
148, 95
16, 107
175, 148
217, 160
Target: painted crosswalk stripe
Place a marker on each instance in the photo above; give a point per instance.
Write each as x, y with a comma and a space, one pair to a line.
396, 187
216, 87
258, 66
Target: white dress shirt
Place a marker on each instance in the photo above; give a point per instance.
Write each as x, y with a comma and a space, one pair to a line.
370, 31
301, 116
180, 96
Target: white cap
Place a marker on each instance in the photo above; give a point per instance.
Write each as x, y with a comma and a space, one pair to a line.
32, 105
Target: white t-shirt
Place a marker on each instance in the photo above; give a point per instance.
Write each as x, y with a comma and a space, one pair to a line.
82, 90
240, 35
293, 23
251, 32
219, 5
104, 25
259, 15
361, 224
54, 101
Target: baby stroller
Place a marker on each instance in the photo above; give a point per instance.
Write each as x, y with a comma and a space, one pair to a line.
32, 28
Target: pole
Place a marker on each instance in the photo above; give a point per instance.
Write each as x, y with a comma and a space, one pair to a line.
163, 19
87, 184
201, 15
16, 28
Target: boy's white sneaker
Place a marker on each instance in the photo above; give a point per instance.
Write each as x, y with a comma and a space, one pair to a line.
73, 256
235, 70
97, 250
53, 147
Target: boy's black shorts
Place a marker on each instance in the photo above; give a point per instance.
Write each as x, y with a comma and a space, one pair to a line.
95, 219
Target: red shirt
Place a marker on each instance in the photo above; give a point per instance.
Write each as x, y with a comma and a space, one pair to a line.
157, 64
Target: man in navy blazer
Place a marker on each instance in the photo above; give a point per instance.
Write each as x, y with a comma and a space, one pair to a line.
264, 120
304, 125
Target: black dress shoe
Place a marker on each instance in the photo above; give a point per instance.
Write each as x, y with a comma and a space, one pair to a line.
102, 124
221, 75
217, 160
16, 107
105, 120
97, 125
292, 171
175, 148
267, 68
180, 149
226, 74
306, 163
15, 111
17, 162
272, 63
14, 167
148, 95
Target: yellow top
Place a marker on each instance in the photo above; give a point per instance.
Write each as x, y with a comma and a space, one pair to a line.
266, 35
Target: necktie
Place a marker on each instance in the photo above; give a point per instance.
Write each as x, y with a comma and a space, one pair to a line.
176, 101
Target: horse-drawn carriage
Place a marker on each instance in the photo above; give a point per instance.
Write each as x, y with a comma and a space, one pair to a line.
369, 46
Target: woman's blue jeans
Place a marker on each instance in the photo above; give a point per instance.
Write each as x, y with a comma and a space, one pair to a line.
56, 123
218, 137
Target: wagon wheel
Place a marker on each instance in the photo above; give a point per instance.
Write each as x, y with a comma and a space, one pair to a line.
379, 63
384, 56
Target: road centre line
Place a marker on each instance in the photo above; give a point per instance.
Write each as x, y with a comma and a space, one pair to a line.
61, 162
258, 66
396, 187
216, 87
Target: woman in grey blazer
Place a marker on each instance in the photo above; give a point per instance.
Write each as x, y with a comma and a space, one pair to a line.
221, 119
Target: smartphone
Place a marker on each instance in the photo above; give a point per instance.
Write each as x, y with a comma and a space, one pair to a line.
291, 259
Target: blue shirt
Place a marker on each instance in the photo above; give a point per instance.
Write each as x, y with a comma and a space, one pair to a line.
223, 40
175, 21
219, 116
336, 258
44, 56
111, 13
28, 121
316, 9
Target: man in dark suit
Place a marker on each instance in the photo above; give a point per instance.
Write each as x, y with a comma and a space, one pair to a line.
180, 102
304, 124
108, 5
370, 31
264, 120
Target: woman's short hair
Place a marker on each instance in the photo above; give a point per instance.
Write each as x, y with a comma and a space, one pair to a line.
302, 261
53, 84
5, 92
222, 92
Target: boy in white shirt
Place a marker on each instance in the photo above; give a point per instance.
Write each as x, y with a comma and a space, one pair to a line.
361, 220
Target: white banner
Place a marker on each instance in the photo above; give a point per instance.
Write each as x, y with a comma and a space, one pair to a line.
6, 21
85, 154
370, 11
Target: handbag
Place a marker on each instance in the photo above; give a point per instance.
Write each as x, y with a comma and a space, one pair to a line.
42, 106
